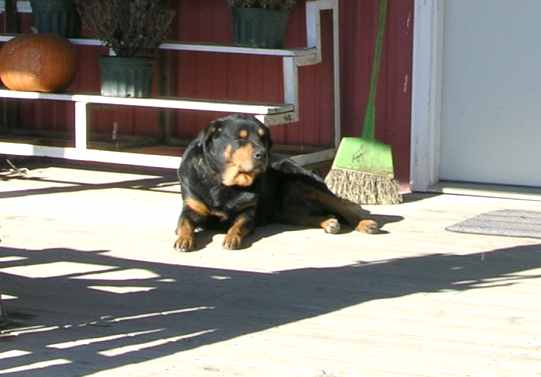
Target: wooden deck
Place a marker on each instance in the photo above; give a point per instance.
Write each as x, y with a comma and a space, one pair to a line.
89, 272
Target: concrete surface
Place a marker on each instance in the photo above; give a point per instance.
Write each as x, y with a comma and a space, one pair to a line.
93, 287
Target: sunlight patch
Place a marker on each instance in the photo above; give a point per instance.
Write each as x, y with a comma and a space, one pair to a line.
40, 365
156, 343
54, 269
168, 280
159, 314
121, 290
220, 277
85, 177
89, 341
13, 353
8, 297
32, 330
11, 259
129, 274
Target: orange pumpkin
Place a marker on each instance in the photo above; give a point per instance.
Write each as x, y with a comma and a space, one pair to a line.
37, 62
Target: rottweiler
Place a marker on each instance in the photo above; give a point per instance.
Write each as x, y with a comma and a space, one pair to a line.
228, 176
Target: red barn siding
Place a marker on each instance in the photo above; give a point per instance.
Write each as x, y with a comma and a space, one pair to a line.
358, 25
259, 78
245, 77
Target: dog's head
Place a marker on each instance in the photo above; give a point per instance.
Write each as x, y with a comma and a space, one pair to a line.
238, 147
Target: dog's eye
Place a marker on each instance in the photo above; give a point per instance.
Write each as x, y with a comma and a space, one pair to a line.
214, 131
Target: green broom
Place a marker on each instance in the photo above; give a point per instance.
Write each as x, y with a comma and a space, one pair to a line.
362, 171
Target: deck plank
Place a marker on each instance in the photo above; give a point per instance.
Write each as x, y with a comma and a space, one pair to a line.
417, 301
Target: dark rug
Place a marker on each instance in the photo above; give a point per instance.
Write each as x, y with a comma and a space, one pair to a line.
508, 222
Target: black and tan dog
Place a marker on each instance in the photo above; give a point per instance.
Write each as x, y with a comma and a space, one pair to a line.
229, 177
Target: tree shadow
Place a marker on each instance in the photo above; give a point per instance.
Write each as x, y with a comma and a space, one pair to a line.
99, 312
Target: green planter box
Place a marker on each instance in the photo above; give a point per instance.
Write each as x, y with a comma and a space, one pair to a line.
256, 27
126, 76
56, 16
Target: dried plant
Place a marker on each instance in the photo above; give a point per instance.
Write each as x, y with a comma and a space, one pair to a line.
266, 4
128, 27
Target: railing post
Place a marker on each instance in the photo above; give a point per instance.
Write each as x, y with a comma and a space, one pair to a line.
81, 119
291, 85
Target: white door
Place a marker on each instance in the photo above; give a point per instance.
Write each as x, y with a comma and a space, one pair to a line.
491, 111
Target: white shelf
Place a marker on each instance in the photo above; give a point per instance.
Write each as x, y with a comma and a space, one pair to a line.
161, 102
307, 54
270, 114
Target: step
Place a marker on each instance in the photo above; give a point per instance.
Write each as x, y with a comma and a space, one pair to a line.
272, 113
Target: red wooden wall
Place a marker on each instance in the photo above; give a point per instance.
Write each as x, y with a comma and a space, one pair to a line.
358, 22
244, 77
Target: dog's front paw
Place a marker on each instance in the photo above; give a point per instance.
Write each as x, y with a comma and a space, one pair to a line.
232, 241
367, 226
185, 244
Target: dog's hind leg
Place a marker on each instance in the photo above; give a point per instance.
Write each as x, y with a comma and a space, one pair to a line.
350, 212
296, 216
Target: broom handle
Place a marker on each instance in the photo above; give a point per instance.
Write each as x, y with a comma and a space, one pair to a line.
369, 122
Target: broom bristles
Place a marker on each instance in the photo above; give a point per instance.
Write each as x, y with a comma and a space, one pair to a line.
363, 188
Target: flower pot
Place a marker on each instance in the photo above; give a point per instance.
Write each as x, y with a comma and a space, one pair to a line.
56, 16
126, 76
256, 27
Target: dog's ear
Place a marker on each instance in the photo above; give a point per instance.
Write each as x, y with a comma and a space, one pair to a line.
267, 137
263, 131
206, 134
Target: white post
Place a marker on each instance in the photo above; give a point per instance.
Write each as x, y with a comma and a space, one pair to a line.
313, 36
426, 93
313, 26
336, 67
291, 85
81, 119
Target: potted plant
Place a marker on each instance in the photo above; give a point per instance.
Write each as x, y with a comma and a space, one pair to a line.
260, 23
133, 31
55, 16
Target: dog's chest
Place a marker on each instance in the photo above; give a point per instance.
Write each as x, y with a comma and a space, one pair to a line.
230, 201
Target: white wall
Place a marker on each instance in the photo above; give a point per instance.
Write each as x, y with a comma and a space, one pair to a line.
491, 92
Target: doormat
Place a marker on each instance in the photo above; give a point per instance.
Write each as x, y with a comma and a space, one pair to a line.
508, 222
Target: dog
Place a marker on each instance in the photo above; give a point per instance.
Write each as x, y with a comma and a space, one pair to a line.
228, 176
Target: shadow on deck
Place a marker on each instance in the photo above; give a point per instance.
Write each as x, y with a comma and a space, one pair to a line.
121, 311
